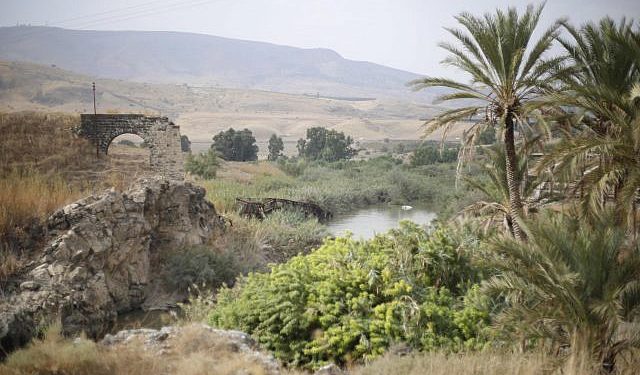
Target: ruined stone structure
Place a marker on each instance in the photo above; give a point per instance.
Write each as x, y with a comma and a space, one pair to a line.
162, 136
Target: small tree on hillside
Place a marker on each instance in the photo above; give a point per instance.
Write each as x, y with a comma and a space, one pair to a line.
324, 144
236, 145
276, 146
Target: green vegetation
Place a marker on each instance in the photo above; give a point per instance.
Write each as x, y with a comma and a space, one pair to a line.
548, 257
429, 153
599, 144
574, 283
327, 145
202, 165
200, 265
350, 299
276, 146
344, 185
235, 145
544, 259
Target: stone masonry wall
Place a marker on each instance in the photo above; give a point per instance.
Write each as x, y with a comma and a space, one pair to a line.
162, 136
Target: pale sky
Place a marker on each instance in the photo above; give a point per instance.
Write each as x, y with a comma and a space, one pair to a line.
398, 33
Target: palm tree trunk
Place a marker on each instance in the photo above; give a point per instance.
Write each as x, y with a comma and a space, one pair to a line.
513, 181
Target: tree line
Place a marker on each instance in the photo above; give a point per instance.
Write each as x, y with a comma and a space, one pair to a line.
240, 145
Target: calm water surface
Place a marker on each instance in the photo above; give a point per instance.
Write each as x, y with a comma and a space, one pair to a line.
367, 222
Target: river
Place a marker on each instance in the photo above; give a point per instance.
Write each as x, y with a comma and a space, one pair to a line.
367, 222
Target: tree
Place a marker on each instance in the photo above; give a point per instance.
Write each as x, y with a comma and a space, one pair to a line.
507, 70
575, 283
204, 165
324, 144
276, 146
185, 143
496, 190
428, 153
236, 145
600, 148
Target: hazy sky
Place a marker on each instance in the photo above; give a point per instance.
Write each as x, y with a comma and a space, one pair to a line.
398, 33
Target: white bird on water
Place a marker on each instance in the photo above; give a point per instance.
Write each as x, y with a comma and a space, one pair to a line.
406, 208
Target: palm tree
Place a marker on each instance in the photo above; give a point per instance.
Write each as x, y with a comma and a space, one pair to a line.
496, 190
573, 283
602, 150
507, 70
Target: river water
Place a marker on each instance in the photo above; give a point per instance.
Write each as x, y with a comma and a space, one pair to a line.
367, 222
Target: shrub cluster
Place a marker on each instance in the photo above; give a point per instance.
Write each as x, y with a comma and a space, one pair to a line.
350, 300
204, 165
200, 265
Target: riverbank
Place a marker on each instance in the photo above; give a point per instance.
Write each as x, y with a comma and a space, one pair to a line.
340, 186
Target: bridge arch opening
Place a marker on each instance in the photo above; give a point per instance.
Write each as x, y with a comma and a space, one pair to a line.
129, 154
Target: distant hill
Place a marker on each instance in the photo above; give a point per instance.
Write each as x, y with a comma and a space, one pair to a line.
176, 57
201, 112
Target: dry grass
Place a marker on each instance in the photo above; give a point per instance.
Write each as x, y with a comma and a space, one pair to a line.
194, 352
459, 364
38, 152
487, 363
42, 141
246, 172
29, 196
55, 355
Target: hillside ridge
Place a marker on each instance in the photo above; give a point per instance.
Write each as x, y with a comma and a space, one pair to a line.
179, 57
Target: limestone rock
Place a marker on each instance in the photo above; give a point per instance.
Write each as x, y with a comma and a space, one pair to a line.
101, 255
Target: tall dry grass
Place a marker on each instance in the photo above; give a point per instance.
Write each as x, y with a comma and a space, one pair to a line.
38, 154
194, 352
30, 195
42, 141
491, 363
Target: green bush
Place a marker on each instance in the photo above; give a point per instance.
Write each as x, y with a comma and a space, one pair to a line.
200, 265
350, 300
204, 165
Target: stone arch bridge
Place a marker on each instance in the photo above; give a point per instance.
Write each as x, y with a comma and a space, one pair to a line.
161, 136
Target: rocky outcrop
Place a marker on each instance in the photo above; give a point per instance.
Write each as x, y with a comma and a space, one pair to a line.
101, 257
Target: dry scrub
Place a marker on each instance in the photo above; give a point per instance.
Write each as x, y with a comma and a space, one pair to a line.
487, 363
44, 142
194, 352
